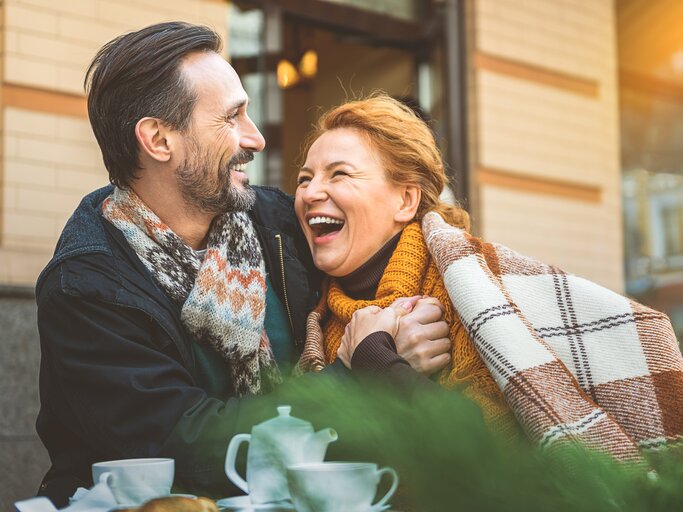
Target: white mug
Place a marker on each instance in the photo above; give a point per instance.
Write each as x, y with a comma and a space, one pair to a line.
135, 481
338, 486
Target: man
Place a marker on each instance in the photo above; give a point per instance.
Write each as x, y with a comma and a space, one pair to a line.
179, 293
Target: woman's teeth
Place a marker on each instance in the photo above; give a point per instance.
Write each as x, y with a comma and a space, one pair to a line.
322, 226
324, 220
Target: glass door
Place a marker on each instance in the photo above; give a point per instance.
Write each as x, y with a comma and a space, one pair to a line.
315, 54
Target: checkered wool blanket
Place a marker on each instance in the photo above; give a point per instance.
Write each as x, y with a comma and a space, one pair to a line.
576, 362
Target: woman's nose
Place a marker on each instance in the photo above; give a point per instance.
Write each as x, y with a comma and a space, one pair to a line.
314, 191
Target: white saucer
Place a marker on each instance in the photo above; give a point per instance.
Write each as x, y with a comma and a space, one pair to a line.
245, 505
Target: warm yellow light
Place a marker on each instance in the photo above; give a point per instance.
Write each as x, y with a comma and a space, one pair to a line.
287, 75
308, 65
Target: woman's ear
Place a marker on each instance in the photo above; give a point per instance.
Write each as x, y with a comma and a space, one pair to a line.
411, 201
152, 137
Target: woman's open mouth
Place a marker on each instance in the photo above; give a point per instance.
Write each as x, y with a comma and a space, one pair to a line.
324, 228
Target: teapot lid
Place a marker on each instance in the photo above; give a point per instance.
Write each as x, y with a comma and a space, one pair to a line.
284, 420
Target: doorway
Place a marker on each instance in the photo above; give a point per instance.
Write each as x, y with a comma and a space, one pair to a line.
348, 67
357, 50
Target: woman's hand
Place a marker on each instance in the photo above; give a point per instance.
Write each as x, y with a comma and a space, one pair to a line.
372, 319
422, 337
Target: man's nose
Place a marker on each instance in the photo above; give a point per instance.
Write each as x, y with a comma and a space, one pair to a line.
252, 138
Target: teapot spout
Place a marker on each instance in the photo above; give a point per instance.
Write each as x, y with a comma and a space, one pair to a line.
316, 446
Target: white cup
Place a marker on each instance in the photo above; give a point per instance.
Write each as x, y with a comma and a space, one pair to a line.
338, 486
135, 481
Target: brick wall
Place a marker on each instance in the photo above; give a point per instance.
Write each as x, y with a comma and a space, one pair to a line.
545, 112
50, 158
49, 44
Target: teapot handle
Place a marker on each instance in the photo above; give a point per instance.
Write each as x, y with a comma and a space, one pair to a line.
230, 458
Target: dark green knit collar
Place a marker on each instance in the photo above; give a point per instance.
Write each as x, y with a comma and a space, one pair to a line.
361, 284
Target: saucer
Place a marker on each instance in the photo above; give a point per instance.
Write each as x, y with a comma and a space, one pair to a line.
245, 505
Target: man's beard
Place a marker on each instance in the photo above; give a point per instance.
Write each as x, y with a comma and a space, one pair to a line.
211, 190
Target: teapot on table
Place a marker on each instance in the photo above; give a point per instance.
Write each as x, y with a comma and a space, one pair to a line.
273, 445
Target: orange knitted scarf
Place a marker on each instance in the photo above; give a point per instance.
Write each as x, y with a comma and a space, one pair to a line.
412, 271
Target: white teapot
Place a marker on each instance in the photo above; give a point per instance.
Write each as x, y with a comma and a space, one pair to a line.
273, 445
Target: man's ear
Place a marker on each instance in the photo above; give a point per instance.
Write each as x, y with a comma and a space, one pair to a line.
152, 137
411, 201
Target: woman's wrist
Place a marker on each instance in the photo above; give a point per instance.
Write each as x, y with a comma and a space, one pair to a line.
376, 352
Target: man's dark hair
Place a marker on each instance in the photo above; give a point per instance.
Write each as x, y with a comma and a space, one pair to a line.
138, 75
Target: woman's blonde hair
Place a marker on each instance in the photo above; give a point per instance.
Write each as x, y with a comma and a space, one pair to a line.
406, 145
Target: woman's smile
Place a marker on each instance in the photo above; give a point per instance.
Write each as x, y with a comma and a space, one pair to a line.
345, 202
324, 228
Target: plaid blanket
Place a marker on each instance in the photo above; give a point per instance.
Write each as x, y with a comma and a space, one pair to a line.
576, 362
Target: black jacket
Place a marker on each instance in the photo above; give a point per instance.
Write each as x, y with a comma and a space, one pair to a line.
118, 378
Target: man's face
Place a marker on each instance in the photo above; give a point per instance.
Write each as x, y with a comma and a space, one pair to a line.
220, 140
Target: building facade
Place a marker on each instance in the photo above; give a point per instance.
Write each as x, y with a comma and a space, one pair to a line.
539, 79
524, 98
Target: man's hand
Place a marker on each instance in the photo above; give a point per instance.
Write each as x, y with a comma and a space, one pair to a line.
372, 319
422, 337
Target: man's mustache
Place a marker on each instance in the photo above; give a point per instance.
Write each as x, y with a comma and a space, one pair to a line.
243, 157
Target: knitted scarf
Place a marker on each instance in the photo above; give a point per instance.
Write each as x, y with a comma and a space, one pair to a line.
222, 297
411, 271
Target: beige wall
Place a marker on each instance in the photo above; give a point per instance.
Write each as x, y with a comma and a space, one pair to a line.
546, 175
50, 157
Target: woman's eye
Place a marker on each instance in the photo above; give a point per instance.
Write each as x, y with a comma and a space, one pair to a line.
302, 179
339, 173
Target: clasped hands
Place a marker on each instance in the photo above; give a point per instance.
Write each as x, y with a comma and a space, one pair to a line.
415, 323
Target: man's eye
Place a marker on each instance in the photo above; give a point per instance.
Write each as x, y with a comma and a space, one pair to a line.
232, 117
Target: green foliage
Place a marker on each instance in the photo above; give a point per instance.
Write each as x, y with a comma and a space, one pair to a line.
448, 461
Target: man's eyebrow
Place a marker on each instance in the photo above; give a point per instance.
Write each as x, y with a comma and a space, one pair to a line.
237, 105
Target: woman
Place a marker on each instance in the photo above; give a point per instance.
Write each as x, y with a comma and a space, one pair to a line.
372, 171
576, 362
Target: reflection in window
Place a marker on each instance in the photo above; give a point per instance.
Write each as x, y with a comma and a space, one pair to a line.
245, 52
651, 115
673, 230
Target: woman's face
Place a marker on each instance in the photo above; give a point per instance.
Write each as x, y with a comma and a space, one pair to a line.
345, 203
